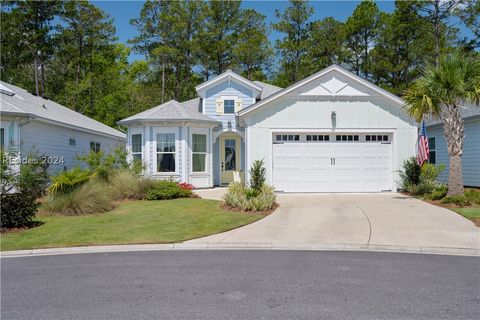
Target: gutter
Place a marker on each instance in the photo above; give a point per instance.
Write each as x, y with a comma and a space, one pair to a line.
32, 116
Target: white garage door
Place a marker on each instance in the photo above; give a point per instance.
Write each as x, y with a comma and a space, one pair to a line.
332, 163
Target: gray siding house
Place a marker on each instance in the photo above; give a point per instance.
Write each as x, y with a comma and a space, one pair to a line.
471, 149
330, 132
60, 134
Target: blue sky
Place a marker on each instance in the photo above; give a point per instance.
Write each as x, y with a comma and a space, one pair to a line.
123, 11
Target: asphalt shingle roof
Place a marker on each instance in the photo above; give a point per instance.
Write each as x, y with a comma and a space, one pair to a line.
268, 89
21, 102
171, 110
466, 111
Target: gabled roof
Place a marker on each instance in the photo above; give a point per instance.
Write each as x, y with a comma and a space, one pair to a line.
229, 74
268, 89
19, 102
169, 111
317, 75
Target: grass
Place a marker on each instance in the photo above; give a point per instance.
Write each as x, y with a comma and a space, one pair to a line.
469, 213
133, 222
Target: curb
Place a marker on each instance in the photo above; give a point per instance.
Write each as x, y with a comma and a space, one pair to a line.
240, 246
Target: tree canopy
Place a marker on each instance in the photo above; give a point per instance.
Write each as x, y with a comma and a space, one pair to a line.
68, 50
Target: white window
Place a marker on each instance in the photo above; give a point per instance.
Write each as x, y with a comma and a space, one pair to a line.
199, 152
137, 146
166, 153
94, 146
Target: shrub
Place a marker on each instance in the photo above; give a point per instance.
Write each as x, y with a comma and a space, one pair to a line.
423, 188
186, 186
103, 165
430, 172
67, 181
257, 175
124, 184
458, 200
17, 210
33, 176
251, 193
20, 187
439, 192
249, 199
265, 200
91, 197
411, 173
237, 198
472, 196
163, 190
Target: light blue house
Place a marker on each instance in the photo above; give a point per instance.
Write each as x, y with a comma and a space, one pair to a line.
59, 134
471, 149
199, 141
330, 132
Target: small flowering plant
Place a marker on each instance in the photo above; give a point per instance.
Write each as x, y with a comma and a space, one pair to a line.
186, 186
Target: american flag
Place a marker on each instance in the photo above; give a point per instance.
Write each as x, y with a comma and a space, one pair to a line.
423, 151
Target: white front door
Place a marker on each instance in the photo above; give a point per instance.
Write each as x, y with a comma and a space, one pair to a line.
332, 164
229, 157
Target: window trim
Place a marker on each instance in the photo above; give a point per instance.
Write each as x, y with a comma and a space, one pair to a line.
192, 153
434, 150
95, 146
233, 106
4, 141
74, 142
177, 144
141, 145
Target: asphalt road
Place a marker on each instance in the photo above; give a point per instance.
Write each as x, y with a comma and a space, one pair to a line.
241, 285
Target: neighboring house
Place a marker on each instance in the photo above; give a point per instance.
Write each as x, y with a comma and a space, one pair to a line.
58, 133
471, 148
330, 132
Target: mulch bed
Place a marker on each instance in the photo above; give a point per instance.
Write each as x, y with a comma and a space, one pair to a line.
438, 203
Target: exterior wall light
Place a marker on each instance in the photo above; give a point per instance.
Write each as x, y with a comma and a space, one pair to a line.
334, 116
229, 125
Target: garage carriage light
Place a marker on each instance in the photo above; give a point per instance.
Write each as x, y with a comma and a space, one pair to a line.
334, 116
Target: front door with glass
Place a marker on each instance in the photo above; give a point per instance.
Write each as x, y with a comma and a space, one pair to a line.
230, 158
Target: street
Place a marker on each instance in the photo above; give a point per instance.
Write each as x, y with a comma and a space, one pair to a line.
241, 285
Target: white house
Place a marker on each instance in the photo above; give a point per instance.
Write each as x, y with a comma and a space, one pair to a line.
471, 149
330, 132
58, 133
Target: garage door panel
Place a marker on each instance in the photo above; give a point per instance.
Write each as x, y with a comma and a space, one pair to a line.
308, 167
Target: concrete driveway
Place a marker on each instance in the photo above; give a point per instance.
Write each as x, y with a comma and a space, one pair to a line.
388, 219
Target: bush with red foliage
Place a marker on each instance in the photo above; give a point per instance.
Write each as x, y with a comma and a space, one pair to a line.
186, 186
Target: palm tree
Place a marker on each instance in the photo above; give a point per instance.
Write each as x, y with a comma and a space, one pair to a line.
441, 92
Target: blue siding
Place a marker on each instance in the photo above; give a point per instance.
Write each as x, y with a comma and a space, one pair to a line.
227, 88
471, 152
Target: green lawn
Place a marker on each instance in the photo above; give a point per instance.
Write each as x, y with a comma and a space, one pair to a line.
469, 213
133, 222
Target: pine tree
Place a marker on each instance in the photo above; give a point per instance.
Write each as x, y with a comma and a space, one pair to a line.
252, 52
325, 45
402, 48
293, 47
361, 28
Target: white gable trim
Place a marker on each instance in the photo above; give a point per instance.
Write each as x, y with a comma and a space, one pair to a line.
228, 75
397, 100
